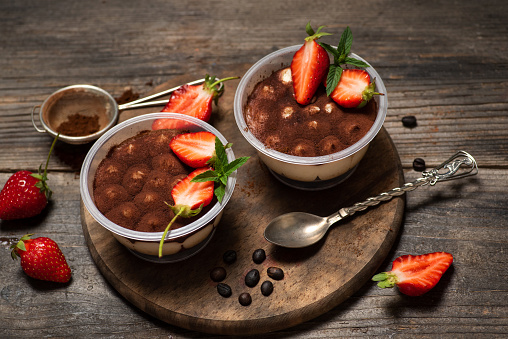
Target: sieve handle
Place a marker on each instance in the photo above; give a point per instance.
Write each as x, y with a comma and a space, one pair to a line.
33, 120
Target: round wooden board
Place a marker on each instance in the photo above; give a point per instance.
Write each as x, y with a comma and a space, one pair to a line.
317, 278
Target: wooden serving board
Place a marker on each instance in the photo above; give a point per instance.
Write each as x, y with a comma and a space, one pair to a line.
317, 278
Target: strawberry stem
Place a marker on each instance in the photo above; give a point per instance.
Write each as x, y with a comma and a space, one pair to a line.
222, 80
167, 229
49, 155
43, 177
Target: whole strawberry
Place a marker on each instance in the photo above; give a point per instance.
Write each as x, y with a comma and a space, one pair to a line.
25, 194
42, 259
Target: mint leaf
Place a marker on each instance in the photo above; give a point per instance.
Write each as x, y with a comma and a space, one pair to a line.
220, 153
222, 169
333, 78
347, 36
220, 191
356, 62
231, 167
330, 49
207, 176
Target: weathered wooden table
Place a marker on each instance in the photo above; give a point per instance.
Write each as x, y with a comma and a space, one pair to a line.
445, 63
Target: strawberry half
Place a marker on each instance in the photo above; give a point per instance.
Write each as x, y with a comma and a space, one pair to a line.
309, 66
190, 198
354, 89
194, 149
415, 275
25, 194
192, 195
42, 259
193, 100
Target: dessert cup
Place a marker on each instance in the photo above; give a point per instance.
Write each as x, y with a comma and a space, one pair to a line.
307, 173
180, 243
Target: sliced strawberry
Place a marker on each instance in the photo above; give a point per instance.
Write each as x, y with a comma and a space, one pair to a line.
354, 89
193, 100
193, 194
167, 123
309, 67
415, 275
194, 149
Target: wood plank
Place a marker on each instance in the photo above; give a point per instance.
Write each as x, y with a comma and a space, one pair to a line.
443, 62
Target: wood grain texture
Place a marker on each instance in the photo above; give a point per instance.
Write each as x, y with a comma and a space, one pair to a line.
317, 278
444, 62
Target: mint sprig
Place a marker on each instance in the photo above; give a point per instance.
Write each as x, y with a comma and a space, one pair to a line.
222, 169
340, 57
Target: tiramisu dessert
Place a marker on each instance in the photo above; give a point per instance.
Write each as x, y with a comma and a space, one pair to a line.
134, 182
311, 108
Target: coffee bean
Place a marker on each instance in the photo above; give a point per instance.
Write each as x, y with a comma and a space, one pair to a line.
229, 256
245, 299
275, 273
218, 274
266, 288
409, 121
252, 278
224, 290
419, 165
259, 256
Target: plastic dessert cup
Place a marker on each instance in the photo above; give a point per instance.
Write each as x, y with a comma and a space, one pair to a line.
180, 243
307, 173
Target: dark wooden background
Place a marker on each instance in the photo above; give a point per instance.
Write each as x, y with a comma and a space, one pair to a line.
446, 62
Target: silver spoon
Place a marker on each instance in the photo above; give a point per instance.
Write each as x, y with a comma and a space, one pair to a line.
298, 229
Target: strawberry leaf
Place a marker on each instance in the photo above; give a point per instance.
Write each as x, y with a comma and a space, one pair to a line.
314, 35
309, 29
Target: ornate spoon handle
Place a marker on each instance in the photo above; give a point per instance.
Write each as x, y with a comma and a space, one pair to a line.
460, 165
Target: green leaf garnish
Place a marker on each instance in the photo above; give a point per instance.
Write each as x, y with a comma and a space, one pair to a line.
222, 169
340, 57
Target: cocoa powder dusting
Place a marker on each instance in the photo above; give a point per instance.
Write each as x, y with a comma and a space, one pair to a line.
78, 125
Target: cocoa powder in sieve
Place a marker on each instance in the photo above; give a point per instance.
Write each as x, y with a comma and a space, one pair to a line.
78, 125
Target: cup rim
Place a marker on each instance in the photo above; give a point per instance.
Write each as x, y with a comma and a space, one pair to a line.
292, 159
204, 220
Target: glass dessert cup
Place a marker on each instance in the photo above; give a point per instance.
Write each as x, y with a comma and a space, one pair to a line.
180, 243
306, 173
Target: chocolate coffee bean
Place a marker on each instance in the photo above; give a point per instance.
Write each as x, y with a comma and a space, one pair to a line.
218, 274
229, 256
275, 273
259, 256
266, 288
245, 299
409, 121
419, 165
224, 290
252, 278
